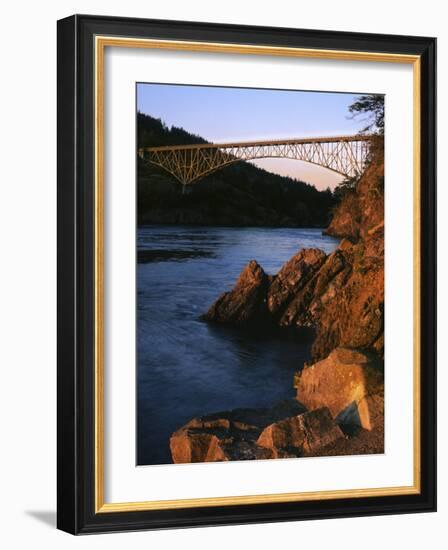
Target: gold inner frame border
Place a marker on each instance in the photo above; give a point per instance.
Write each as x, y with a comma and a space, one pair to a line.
100, 44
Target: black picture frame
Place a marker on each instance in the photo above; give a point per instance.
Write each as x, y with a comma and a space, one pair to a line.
76, 286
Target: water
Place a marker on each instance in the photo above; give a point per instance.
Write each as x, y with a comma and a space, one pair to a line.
186, 367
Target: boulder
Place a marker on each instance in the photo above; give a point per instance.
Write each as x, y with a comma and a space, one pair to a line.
349, 382
193, 446
304, 433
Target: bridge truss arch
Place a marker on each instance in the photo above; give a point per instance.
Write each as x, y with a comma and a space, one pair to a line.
345, 155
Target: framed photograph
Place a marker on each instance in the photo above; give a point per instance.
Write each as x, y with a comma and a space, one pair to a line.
246, 274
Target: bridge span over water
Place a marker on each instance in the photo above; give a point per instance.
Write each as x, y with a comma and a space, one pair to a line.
345, 155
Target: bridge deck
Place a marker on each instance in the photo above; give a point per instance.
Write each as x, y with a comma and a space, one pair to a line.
298, 141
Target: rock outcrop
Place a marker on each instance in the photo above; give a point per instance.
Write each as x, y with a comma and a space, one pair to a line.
340, 295
339, 401
246, 303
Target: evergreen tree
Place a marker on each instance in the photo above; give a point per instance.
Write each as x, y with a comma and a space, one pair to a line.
372, 106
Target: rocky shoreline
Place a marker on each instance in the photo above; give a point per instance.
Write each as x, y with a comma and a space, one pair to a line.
339, 410
339, 407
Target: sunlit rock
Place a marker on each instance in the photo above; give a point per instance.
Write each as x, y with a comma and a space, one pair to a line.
301, 434
349, 382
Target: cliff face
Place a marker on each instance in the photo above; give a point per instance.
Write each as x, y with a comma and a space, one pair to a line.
341, 296
362, 208
348, 308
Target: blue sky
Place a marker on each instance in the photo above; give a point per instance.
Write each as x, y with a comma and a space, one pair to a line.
242, 114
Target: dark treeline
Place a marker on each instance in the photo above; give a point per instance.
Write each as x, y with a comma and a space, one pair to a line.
153, 132
240, 194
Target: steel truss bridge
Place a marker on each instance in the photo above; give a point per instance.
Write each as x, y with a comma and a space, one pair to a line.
345, 155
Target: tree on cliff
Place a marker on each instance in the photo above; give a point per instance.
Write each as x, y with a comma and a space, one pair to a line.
372, 106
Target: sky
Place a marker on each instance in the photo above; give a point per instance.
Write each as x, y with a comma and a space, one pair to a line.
244, 114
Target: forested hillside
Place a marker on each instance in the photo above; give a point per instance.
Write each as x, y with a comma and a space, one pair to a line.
237, 195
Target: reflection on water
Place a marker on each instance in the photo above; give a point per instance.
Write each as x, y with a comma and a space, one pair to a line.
186, 367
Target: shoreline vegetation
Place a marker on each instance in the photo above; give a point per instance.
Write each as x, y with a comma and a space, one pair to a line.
339, 404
